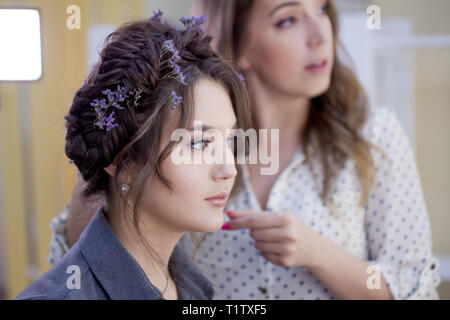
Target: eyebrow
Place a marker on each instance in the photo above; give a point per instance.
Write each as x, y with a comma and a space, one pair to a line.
286, 4
204, 128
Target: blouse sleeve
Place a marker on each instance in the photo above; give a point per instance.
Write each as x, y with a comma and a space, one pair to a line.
58, 245
396, 220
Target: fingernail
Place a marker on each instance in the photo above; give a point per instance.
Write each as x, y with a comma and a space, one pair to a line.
226, 226
230, 212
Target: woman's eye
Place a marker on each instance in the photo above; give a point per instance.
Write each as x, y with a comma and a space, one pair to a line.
286, 22
323, 9
200, 144
231, 141
203, 144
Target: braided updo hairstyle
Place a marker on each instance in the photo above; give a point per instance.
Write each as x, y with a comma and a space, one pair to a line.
130, 57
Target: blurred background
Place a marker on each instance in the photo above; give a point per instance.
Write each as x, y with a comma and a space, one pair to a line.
404, 65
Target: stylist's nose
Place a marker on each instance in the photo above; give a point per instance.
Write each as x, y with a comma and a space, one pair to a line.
316, 33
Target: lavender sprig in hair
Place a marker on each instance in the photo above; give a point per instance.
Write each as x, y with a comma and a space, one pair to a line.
156, 16
175, 73
194, 22
175, 100
115, 99
241, 77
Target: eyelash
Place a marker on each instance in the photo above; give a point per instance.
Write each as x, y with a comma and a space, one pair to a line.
207, 141
281, 23
324, 10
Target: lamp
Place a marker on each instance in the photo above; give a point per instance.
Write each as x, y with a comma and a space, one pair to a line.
20, 43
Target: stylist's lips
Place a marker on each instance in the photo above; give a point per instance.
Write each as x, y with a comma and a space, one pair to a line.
219, 200
318, 66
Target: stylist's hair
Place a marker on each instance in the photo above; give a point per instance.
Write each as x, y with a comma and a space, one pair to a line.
131, 58
336, 117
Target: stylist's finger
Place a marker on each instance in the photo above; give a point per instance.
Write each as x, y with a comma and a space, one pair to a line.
252, 220
242, 213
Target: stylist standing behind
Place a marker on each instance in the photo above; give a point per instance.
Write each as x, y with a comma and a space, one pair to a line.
346, 204
345, 216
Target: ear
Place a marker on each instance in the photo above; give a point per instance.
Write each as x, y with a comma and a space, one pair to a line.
243, 63
111, 169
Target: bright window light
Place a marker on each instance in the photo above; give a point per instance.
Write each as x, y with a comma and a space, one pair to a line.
20, 45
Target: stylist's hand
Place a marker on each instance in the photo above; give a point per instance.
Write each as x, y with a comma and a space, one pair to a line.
280, 236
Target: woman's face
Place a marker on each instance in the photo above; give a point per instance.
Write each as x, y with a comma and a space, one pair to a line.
185, 208
288, 46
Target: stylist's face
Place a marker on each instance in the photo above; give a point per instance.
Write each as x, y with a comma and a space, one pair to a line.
288, 46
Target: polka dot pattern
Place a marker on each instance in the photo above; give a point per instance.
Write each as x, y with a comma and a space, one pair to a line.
59, 245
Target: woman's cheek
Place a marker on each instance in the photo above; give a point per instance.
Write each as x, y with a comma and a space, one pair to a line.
187, 179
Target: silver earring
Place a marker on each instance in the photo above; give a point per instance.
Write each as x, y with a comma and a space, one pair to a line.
125, 186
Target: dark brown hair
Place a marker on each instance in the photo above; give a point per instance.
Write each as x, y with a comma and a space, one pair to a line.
131, 57
336, 117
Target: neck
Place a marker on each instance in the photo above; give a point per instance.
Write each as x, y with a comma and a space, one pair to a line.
159, 237
277, 110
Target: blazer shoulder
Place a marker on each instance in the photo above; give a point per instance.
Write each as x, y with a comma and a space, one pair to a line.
69, 278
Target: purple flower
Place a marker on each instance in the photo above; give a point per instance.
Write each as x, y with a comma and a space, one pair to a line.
99, 113
168, 45
108, 93
156, 16
110, 122
175, 100
241, 77
100, 123
122, 93
193, 22
115, 98
99, 103
181, 78
203, 18
176, 73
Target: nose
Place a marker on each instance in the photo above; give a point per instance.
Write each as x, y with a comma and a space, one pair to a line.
316, 34
226, 169
224, 172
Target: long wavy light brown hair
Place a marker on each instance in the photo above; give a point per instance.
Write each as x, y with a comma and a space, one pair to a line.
336, 117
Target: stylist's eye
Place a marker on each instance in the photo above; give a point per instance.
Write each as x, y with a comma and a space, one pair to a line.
286, 22
201, 144
323, 9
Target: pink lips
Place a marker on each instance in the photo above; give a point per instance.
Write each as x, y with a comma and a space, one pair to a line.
318, 66
219, 200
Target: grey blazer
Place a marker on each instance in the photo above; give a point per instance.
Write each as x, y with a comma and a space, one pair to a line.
99, 267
